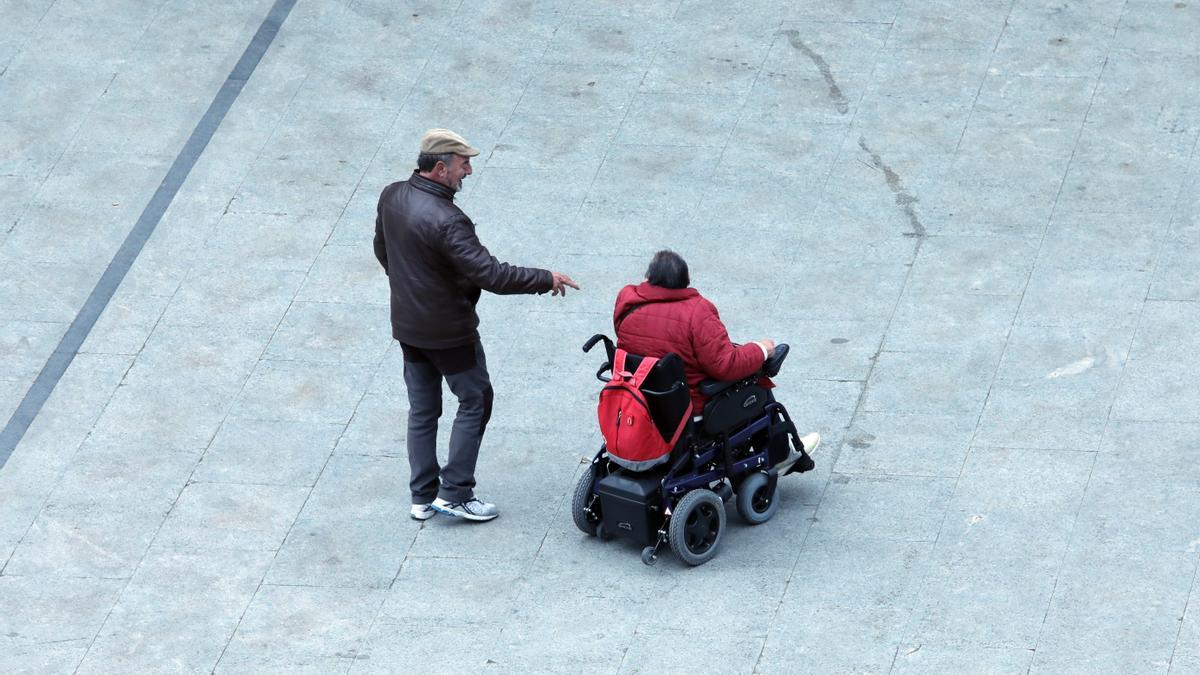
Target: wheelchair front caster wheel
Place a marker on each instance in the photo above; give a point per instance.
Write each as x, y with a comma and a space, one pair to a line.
602, 533
757, 501
649, 557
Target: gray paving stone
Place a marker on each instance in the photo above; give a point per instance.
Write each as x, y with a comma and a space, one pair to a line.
992, 601
361, 487
686, 120
328, 550
126, 324
637, 174
483, 592
1084, 298
1022, 99
1135, 514
274, 240
797, 153
1151, 451
38, 615
1187, 648
968, 321
324, 332
955, 383
927, 658
901, 508
261, 452
304, 629
902, 444
708, 60
389, 644
833, 639
231, 516
557, 139
571, 613
233, 297
1157, 390
845, 11
202, 594
948, 25
606, 39
844, 292
25, 346
957, 264
102, 514
302, 392
1047, 40
379, 426
1131, 625
665, 651
856, 572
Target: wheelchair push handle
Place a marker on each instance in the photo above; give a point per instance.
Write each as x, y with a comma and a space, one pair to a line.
610, 350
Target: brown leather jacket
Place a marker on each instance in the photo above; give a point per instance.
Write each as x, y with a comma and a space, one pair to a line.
437, 267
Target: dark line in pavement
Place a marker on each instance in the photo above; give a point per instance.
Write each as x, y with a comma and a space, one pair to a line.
118, 267
903, 199
835, 92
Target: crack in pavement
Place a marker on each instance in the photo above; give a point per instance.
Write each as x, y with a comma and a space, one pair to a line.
835, 92
904, 200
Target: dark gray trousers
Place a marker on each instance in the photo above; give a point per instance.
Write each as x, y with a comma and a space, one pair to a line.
473, 389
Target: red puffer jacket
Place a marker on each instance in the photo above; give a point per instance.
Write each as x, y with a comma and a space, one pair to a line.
684, 322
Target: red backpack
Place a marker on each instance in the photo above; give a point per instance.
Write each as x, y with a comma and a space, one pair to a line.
630, 433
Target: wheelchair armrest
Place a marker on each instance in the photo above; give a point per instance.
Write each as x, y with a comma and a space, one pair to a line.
710, 388
772, 365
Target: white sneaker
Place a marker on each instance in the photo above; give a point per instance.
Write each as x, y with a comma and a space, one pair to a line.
473, 509
422, 512
809, 443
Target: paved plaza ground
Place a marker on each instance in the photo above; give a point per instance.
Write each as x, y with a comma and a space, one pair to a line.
975, 222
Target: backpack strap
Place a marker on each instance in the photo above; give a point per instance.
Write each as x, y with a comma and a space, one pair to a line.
643, 371
618, 366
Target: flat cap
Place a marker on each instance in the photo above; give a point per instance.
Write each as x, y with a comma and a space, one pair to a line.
444, 141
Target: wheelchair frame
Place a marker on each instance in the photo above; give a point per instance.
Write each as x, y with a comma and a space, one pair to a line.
705, 464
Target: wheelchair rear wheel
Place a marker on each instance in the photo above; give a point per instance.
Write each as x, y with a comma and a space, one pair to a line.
756, 502
587, 520
696, 526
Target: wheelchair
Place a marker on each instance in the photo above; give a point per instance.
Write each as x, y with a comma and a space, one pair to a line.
679, 499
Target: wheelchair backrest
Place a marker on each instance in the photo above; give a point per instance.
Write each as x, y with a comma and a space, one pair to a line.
666, 408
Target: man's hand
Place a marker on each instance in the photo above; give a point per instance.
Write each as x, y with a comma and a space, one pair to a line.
561, 281
769, 345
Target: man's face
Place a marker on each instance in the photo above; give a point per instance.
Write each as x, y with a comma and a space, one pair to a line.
459, 168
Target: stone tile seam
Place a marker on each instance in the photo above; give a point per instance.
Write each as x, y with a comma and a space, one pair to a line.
883, 337
983, 80
1161, 245
1183, 614
1066, 172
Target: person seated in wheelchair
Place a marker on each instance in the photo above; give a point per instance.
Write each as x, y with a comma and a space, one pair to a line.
664, 315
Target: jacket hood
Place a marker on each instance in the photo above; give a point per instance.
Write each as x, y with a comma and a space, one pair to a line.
646, 292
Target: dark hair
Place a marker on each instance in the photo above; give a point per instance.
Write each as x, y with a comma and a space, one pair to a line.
426, 161
668, 270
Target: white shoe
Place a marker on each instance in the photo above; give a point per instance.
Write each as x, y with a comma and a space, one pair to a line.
473, 509
422, 512
809, 443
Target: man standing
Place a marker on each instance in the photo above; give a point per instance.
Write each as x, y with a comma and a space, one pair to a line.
437, 268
